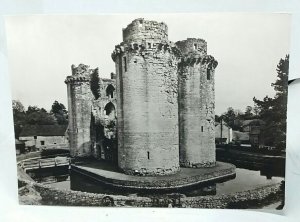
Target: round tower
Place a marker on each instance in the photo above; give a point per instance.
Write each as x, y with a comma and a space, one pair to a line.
196, 101
147, 108
79, 110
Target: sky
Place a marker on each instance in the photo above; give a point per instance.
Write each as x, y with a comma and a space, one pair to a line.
42, 48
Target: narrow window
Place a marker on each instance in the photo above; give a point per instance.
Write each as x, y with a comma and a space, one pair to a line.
208, 74
195, 46
42, 143
148, 155
125, 64
149, 45
201, 128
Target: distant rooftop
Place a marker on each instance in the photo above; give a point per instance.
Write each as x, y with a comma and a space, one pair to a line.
43, 130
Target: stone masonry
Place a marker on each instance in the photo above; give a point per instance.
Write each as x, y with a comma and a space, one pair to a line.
196, 104
156, 113
146, 68
92, 116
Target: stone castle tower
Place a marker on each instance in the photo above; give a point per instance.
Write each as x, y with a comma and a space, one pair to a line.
196, 99
161, 100
147, 107
92, 117
79, 103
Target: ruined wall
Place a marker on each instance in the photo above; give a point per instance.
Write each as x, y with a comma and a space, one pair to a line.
79, 106
103, 134
147, 109
89, 98
196, 101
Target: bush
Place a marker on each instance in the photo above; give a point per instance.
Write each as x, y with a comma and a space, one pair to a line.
54, 152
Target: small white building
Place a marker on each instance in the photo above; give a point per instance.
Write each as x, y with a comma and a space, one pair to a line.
44, 136
223, 133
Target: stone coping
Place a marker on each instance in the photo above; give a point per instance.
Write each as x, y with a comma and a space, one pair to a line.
186, 177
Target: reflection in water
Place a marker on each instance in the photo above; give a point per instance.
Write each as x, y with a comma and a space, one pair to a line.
245, 179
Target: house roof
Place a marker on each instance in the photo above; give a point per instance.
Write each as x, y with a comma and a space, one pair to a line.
43, 130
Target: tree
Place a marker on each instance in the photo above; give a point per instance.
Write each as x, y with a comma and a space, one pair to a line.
19, 117
60, 113
273, 110
232, 118
248, 112
94, 84
17, 106
37, 116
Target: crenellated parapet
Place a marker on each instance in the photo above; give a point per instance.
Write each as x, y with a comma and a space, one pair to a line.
146, 48
140, 30
208, 61
81, 73
192, 47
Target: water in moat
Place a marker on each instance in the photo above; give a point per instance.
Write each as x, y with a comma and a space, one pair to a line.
245, 179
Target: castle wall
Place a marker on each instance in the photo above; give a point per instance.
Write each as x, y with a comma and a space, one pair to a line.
196, 99
103, 128
146, 67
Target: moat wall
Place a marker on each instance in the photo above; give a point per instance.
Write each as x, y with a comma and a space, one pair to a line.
54, 196
32, 192
147, 108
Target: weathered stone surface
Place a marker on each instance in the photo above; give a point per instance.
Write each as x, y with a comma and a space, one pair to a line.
155, 81
147, 100
92, 116
196, 104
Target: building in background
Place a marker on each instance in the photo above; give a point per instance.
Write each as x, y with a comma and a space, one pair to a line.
223, 133
44, 136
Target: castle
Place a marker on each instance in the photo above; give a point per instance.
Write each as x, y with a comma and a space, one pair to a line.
156, 113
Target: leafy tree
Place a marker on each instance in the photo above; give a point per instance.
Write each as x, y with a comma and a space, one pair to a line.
248, 112
60, 113
19, 117
37, 116
232, 118
94, 84
218, 118
17, 106
273, 110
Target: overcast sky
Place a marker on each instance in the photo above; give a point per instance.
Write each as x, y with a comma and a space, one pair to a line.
42, 49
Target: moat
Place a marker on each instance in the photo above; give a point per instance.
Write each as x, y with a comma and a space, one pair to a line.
245, 179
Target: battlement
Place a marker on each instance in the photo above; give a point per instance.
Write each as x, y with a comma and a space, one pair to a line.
81, 69
146, 48
192, 46
140, 30
81, 73
209, 61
